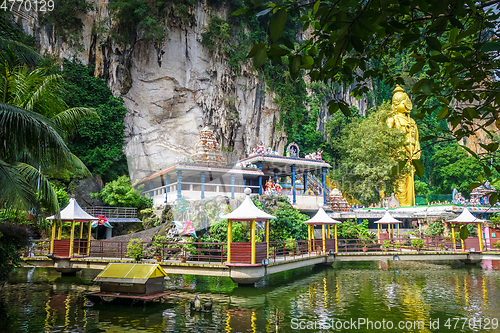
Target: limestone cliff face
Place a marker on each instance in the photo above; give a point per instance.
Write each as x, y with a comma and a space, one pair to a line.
172, 90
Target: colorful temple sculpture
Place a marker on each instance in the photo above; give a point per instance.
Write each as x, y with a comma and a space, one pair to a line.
207, 149
337, 202
264, 172
401, 106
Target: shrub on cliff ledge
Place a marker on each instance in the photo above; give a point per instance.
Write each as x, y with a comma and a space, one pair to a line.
120, 193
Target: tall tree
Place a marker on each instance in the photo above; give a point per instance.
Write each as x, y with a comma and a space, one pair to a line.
369, 149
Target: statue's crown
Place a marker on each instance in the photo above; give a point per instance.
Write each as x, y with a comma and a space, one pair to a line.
398, 89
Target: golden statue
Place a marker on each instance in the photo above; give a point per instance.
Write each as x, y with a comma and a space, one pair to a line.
401, 106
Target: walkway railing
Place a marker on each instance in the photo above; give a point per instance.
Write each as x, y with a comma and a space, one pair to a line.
113, 212
216, 253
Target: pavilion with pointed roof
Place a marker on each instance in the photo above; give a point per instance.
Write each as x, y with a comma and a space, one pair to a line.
467, 218
67, 247
390, 221
247, 253
321, 218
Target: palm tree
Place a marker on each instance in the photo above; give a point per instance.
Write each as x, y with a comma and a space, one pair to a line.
32, 120
28, 138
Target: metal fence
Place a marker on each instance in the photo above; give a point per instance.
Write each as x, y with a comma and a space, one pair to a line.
278, 250
113, 212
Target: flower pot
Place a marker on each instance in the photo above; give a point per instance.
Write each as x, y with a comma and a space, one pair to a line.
158, 258
298, 253
365, 249
183, 260
290, 253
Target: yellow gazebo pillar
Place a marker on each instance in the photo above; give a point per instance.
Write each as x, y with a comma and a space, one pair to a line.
378, 232
323, 236
252, 240
328, 233
309, 238
462, 242
80, 237
453, 237
229, 239
59, 233
313, 238
398, 230
88, 237
480, 235
336, 242
71, 239
267, 238
53, 236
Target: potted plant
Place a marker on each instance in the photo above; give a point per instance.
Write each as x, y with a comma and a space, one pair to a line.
364, 240
497, 244
156, 247
417, 243
386, 245
134, 249
290, 246
183, 248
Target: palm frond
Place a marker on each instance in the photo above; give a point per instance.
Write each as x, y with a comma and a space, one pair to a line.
71, 118
15, 189
46, 194
24, 130
43, 89
22, 53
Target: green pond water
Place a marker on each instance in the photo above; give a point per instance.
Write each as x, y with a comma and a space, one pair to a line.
348, 297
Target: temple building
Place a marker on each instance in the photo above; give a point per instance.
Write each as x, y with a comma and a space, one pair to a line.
264, 171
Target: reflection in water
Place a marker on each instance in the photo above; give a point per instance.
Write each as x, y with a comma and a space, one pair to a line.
415, 293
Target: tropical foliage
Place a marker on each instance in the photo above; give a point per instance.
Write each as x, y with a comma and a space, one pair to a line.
120, 193
368, 150
349, 41
13, 237
97, 142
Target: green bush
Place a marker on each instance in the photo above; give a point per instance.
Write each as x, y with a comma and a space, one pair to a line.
417, 243
434, 229
134, 249
387, 244
216, 34
13, 238
120, 193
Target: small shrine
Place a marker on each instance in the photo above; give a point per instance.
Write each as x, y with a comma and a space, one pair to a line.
337, 202
292, 150
273, 188
480, 196
207, 149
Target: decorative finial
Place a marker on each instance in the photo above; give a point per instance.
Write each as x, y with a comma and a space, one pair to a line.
248, 191
398, 89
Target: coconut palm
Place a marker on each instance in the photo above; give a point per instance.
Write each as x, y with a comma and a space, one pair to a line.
36, 91
28, 138
32, 120
11, 38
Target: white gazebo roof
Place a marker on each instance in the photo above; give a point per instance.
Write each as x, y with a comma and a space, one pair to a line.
71, 212
466, 217
388, 219
321, 217
247, 211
